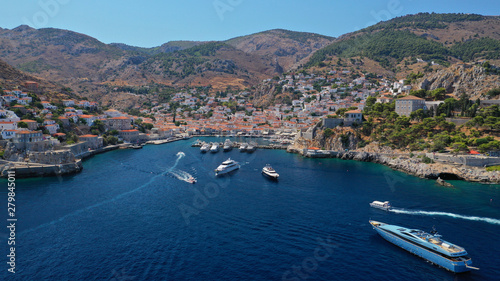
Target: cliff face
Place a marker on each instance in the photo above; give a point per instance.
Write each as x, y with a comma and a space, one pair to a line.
340, 140
461, 78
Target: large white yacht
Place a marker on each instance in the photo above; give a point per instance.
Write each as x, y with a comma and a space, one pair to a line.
227, 166
270, 172
429, 246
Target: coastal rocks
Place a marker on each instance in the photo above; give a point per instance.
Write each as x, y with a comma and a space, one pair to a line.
443, 183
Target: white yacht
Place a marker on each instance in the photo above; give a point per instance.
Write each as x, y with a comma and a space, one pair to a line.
205, 147
251, 147
243, 147
215, 147
228, 145
227, 166
270, 172
381, 205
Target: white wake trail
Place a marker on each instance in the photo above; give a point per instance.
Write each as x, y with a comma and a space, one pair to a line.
456, 216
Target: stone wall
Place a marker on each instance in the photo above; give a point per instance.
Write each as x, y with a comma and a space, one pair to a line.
467, 160
52, 157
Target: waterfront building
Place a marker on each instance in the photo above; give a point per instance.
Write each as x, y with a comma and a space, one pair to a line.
28, 136
93, 141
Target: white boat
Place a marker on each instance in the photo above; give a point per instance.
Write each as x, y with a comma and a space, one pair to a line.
228, 145
243, 147
191, 180
215, 147
429, 246
205, 147
270, 172
251, 147
227, 166
381, 205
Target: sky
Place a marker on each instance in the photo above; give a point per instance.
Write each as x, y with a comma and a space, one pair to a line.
150, 23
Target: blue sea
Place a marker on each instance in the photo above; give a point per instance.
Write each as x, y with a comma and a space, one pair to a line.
132, 215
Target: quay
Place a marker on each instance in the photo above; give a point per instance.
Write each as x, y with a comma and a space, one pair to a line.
237, 144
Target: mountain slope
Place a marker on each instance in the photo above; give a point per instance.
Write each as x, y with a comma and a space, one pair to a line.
168, 47
444, 38
288, 47
84, 63
11, 78
215, 63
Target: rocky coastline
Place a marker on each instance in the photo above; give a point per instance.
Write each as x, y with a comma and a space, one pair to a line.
410, 165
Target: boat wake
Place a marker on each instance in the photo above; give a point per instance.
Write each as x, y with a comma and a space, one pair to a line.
182, 175
180, 155
456, 216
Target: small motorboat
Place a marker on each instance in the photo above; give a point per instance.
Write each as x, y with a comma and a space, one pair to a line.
381, 205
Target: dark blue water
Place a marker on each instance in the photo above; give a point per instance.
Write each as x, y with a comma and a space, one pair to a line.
130, 216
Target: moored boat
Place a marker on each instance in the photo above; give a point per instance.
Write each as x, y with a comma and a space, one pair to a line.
243, 147
251, 147
381, 205
215, 147
269, 172
228, 145
227, 166
205, 147
425, 245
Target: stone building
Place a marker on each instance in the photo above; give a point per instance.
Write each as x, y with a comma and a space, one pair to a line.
119, 123
405, 106
353, 116
93, 141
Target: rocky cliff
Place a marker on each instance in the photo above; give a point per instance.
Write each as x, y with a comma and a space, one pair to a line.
461, 78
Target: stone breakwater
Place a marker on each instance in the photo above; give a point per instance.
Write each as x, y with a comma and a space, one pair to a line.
412, 166
28, 170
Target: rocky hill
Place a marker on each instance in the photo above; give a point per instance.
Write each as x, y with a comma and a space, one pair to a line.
11, 78
472, 80
85, 64
397, 45
286, 47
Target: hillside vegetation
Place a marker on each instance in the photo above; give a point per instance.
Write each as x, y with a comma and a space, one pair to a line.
415, 36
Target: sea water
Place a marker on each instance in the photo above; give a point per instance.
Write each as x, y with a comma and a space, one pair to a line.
133, 215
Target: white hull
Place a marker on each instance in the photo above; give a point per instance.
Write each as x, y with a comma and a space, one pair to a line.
226, 170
